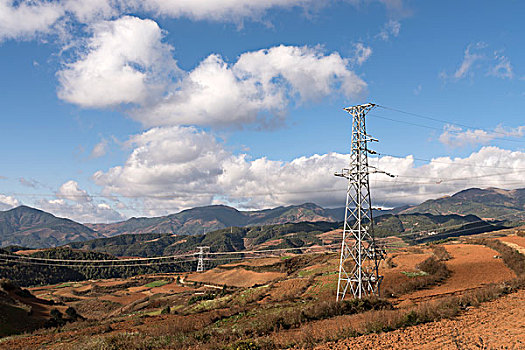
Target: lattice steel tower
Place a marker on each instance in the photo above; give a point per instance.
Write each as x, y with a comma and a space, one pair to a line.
360, 256
200, 260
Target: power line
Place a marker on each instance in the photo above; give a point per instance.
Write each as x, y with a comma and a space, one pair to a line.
418, 115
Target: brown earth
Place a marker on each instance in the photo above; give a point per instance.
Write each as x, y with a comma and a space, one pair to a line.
516, 242
128, 305
472, 266
235, 277
499, 324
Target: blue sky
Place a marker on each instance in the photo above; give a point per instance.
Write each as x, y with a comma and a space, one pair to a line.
112, 109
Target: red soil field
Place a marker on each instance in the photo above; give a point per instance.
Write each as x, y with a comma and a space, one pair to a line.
236, 277
472, 266
516, 242
498, 324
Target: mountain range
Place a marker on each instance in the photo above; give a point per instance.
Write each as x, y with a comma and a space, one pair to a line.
488, 204
29, 227
209, 218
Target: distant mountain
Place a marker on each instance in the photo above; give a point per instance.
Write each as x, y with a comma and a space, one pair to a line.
31, 227
209, 218
490, 203
411, 227
288, 235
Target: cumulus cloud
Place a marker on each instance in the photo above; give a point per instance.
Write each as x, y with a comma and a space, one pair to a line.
70, 190
454, 136
75, 203
173, 168
257, 88
125, 61
23, 19
8, 202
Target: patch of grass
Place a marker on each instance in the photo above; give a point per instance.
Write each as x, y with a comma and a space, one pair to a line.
65, 285
414, 274
159, 283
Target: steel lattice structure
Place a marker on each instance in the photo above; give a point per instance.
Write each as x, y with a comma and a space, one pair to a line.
360, 256
200, 262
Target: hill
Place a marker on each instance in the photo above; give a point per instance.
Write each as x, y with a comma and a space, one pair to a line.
411, 227
209, 218
289, 235
490, 203
31, 227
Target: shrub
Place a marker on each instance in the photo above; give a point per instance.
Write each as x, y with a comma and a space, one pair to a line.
440, 252
196, 298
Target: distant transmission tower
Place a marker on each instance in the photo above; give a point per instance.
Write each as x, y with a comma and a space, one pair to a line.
360, 256
200, 262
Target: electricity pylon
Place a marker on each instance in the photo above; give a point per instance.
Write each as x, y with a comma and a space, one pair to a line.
360, 256
200, 262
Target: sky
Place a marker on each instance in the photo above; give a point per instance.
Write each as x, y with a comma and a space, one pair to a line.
118, 108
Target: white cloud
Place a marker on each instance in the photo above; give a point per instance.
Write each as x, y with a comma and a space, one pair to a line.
24, 19
218, 9
454, 136
70, 190
8, 202
476, 58
257, 88
469, 59
169, 160
390, 29
125, 61
362, 53
75, 203
173, 168
100, 149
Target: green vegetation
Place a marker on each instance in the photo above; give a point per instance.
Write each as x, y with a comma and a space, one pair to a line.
231, 239
32, 275
159, 283
414, 274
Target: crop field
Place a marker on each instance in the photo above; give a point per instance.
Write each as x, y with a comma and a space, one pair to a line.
432, 294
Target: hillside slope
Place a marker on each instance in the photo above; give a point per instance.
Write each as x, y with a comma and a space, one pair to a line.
209, 218
490, 203
31, 227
